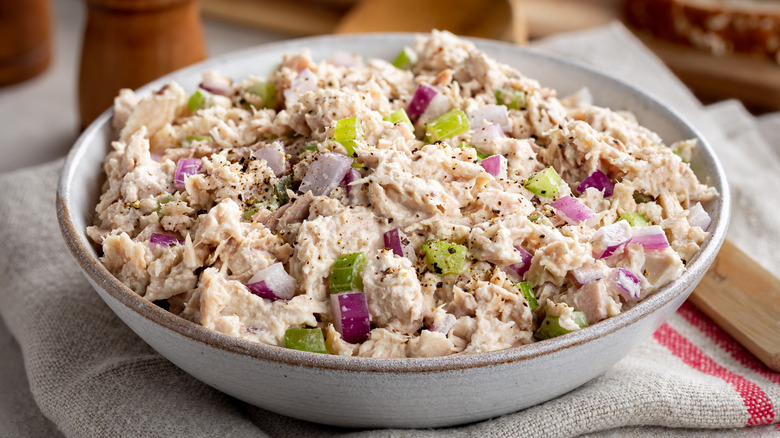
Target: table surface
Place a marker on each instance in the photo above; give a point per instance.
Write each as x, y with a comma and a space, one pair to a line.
39, 117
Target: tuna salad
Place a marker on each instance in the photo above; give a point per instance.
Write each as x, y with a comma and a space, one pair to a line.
433, 204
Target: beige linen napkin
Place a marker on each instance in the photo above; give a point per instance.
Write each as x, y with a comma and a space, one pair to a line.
90, 376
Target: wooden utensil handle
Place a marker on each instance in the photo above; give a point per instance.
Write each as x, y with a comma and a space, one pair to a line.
128, 43
744, 299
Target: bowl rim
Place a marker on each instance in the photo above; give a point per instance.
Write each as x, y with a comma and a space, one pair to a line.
80, 247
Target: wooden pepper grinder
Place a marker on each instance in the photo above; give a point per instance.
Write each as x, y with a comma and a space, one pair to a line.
128, 43
25, 39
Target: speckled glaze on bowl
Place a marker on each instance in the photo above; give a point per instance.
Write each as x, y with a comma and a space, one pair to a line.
367, 392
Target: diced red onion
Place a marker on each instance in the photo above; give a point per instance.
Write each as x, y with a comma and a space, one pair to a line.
609, 238
697, 217
351, 176
345, 59
497, 114
420, 100
325, 173
397, 241
587, 275
495, 165
652, 237
305, 81
215, 83
163, 240
525, 262
274, 155
156, 157
443, 324
572, 210
184, 168
486, 135
439, 105
350, 316
628, 283
273, 283
598, 180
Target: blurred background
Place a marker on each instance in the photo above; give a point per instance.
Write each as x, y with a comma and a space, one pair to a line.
62, 61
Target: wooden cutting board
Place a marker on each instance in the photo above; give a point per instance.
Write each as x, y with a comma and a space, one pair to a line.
491, 19
744, 299
753, 79
486, 19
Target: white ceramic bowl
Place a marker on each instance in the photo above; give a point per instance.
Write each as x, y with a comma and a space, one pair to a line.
368, 392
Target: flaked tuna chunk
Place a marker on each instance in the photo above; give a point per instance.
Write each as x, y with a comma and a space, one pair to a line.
126, 259
553, 261
384, 343
493, 334
124, 104
661, 266
507, 306
297, 212
321, 240
394, 295
258, 249
285, 215
228, 307
430, 344
221, 223
595, 300
169, 276
154, 112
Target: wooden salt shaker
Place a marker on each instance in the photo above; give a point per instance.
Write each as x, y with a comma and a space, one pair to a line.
25, 39
128, 43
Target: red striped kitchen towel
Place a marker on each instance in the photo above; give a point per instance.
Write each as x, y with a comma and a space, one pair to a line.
698, 342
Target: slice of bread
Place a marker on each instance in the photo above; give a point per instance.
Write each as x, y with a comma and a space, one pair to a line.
719, 26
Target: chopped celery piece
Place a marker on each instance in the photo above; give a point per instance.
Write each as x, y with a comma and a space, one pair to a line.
196, 101
544, 183
305, 339
528, 293
535, 216
444, 258
511, 98
480, 155
345, 274
192, 138
267, 92
250, 211
399, 116
634, 219
641, 198
254, 205
406, 59
550, 327
311, 147
280, 189
452, 123
347, 131
162, 200
679, 154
